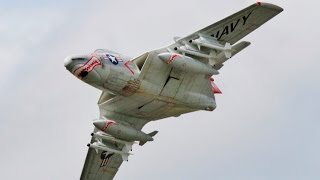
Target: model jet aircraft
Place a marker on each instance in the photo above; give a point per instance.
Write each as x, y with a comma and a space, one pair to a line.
161, 83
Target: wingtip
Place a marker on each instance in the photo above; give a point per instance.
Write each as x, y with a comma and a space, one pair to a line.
270, 6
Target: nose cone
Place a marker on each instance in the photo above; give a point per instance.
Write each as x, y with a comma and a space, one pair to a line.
71, 61
99, 123
67, 61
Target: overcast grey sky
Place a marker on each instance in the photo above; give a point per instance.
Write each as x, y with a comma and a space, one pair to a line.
266, 125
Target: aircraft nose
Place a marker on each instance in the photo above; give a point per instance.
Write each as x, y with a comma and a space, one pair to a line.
67, 61
71, 61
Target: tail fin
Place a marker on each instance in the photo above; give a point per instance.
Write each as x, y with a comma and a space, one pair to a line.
141, 143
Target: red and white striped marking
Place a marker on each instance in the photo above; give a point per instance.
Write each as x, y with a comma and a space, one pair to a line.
108, 123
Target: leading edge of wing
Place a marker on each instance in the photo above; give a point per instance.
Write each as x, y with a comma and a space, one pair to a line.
272, 7
251, 7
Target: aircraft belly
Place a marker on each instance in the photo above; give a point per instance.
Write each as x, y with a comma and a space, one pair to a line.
154, 74
186, 89
171, 88
160, 91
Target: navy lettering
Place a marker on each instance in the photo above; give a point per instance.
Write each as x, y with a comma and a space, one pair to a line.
245, 18
217, 35
233, 26
225, 31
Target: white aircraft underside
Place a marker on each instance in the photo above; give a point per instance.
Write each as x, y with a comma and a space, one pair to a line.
161, 83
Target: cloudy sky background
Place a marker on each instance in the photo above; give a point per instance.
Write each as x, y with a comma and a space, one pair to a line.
266, 125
